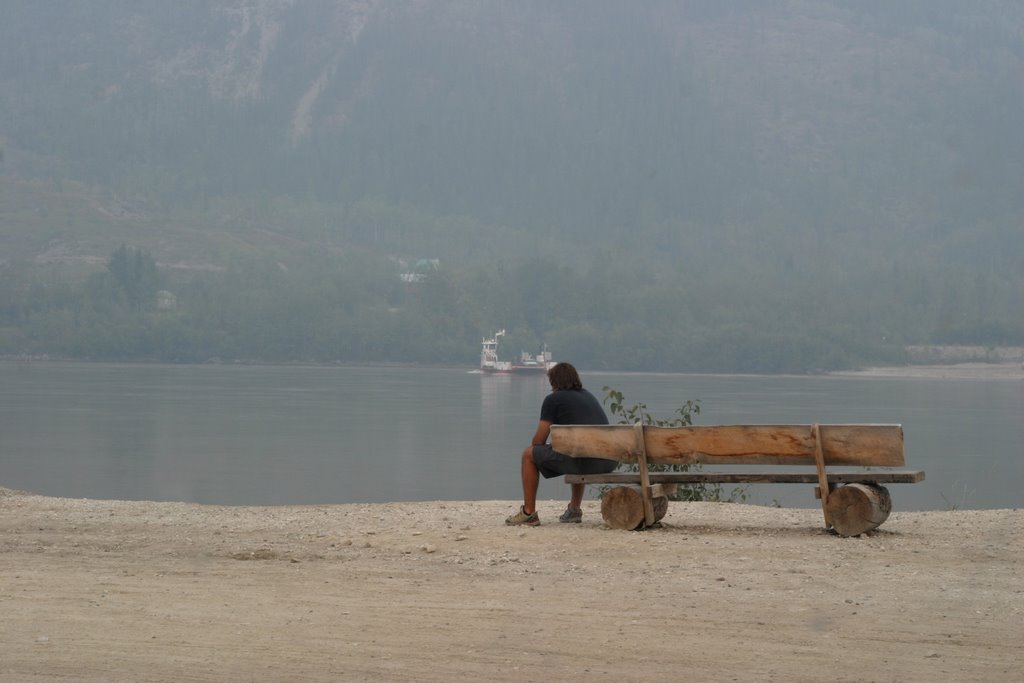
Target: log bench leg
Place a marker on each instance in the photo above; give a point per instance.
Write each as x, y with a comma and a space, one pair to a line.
623, 508
856, 508
852, 509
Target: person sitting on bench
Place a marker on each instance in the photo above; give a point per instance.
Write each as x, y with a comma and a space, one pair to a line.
567, 404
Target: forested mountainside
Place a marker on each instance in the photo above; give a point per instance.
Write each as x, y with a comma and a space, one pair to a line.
762, 185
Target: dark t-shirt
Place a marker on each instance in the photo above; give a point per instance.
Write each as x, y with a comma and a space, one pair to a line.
572, 407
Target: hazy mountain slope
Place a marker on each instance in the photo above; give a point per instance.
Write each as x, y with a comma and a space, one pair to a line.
585, 118
853, 153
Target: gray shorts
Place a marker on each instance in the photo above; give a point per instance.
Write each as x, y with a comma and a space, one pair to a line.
551, 463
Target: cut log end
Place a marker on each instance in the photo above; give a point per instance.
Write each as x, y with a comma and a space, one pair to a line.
623, 508
856, 508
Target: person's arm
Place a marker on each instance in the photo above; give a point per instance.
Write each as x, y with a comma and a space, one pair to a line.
540, 436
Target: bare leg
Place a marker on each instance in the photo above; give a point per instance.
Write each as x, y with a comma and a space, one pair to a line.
531, 480
577, 495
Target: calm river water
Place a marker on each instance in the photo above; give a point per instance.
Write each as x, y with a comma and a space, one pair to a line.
274, 435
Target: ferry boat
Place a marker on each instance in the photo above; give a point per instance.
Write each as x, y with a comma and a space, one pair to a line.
527, 363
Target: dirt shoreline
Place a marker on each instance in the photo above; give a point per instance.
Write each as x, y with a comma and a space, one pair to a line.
982, 371
125, 591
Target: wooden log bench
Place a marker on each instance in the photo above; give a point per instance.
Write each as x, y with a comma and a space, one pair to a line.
852, 501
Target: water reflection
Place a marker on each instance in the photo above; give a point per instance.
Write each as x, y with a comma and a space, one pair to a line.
269, 435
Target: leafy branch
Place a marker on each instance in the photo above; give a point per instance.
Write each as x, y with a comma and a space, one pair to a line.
637, 413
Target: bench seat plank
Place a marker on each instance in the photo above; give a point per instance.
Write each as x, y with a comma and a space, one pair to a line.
878, 445
883, 477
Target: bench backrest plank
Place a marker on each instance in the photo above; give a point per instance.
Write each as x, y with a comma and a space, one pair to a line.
876, 445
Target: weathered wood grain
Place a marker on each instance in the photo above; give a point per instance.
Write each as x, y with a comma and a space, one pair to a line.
876, 445
856, 508
784, 477
623, 508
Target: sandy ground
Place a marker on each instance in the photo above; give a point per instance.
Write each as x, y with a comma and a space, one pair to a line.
139, 591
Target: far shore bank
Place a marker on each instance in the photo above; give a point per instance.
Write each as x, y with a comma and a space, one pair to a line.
934, 362
1012, 371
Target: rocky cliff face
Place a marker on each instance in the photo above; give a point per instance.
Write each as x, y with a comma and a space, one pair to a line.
240, 37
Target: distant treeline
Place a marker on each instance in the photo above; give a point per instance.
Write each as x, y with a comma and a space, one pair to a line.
357, 309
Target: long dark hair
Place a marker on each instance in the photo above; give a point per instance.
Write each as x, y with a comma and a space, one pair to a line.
563, 376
